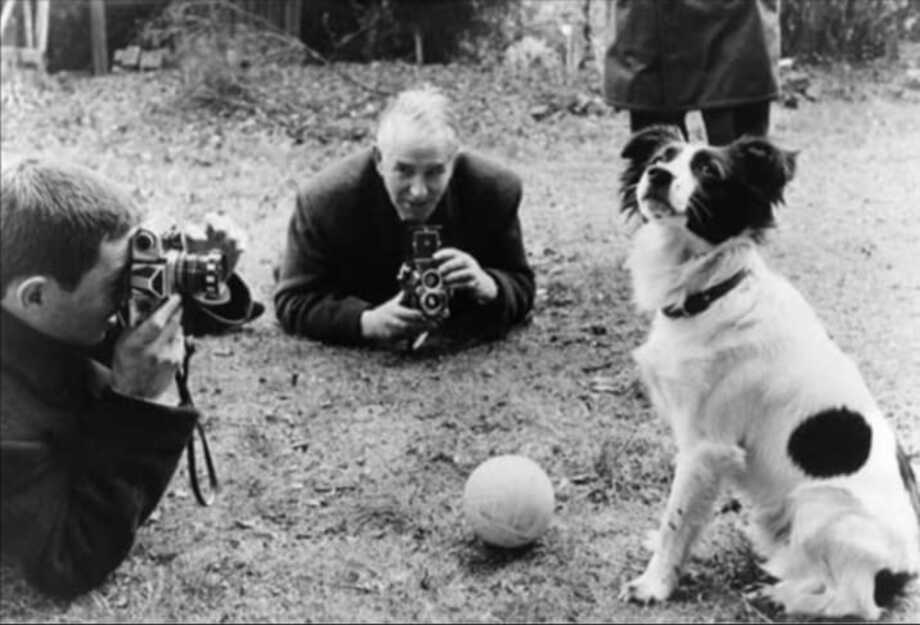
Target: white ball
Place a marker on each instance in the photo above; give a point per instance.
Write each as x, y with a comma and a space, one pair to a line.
509, 501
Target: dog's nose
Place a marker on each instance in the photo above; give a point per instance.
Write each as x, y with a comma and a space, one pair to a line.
659, 177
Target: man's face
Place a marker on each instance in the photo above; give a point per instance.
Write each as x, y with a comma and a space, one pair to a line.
416, 168
82, 316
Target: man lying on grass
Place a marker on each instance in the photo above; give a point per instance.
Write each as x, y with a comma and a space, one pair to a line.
87, 449
406, 236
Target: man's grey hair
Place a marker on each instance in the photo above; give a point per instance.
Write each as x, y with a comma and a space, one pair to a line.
426, 107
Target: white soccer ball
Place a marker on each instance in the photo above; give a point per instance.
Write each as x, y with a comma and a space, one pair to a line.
509, 501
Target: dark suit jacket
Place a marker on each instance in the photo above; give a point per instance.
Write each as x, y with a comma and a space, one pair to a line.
345, 245
82, 467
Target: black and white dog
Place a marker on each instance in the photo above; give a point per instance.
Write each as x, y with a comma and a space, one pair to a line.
756, 393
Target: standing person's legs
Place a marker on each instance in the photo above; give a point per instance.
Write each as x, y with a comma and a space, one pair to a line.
724, 125
643, 119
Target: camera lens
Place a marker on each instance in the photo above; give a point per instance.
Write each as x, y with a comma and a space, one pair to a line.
431, 279
200, 274
432, 302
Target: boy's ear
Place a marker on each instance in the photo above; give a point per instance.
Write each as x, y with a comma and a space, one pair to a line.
31, 292
766, 167
640, 146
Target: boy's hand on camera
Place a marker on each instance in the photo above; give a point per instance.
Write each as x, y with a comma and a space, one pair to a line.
219, 232
392, 320
147, 356
462, 272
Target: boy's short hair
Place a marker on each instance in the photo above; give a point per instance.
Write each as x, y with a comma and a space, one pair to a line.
53, 218
426, 106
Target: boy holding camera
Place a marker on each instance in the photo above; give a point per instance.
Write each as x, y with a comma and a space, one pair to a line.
367, 231
87, 448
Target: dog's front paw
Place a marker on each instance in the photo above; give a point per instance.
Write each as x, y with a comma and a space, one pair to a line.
647, 588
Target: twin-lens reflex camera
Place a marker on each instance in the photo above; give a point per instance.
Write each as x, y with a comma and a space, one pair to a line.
422, 285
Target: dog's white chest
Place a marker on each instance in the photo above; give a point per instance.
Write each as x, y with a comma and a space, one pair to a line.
678, 375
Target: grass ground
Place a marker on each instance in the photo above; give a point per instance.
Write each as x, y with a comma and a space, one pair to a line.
342, 469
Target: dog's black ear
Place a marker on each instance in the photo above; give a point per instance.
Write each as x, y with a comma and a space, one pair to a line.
765, 166
639, 150
640, 146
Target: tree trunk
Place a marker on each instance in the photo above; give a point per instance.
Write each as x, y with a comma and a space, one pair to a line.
7, 13
812, 17
27, 21
373, 34
292, 15
587, 51
893, 36
419, 48
42, 19
97, 33
603, 35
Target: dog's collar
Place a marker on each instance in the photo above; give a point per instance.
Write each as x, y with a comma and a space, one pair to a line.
698, 302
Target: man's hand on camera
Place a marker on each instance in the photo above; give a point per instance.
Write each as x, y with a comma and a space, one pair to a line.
461, 272
147, 356
392, 320
219, 232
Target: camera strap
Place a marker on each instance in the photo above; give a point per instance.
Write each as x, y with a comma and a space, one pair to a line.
185, 399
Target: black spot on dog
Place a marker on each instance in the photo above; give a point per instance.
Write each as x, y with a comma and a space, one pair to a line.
739, 189
720, 210
830, 443
888, 586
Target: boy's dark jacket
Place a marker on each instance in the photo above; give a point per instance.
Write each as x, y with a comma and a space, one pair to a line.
82, 467
345, 245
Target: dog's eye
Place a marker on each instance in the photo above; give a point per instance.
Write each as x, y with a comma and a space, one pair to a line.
708, 170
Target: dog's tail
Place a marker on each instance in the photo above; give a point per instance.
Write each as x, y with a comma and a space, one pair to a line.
890, 586
838, 559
